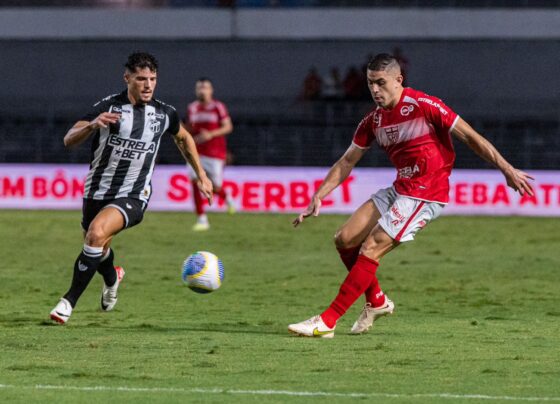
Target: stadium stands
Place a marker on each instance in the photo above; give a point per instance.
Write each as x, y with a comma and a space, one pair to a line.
279, 132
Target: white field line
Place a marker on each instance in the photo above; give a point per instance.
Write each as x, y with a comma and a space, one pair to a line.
125, 389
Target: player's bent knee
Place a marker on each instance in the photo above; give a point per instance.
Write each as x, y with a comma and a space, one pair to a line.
95, 236
342, 239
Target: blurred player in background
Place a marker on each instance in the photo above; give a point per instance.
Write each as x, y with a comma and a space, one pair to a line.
127, 129
415, 130
209, 122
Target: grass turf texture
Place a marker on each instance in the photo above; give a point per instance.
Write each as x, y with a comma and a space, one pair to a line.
477, 312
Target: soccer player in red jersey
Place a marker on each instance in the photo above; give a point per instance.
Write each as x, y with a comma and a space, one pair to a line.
209, 122
415, 130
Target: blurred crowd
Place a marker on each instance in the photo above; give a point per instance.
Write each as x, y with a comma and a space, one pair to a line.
332, 86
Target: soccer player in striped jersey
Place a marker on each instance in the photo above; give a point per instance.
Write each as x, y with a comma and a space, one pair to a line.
126, 129
209, 122
415, 130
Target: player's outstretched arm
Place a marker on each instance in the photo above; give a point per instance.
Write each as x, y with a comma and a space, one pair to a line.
516, 179
187, 147
83, 129
336, 176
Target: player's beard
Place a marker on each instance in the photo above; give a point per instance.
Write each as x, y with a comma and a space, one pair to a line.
146, 98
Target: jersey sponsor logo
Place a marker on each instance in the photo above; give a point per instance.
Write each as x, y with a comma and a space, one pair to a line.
130, 149
392, 133
406, 110
408, 172
434, 104
116, 109
399, 218
155, 115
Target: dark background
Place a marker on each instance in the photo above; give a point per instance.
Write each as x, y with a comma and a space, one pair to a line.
507, 89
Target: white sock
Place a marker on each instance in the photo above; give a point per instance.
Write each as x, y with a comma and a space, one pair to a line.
202, 218
106, 255
94, 252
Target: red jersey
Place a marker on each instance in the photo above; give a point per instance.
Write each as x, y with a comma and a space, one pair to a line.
416, 134
208, 117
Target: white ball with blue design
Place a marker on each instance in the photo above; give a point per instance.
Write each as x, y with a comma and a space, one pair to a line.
203, 272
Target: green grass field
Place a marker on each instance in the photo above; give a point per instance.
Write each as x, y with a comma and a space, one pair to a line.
477, 313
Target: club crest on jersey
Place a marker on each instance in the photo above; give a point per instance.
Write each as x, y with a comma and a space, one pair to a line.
155, 126
392, 133
406, 110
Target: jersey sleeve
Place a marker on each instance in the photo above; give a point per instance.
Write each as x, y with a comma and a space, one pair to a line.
363, 136
96, 109
222, 111
437, 113
174, 122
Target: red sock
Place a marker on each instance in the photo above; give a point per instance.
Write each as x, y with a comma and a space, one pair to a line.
358, 280
221, 194
198, 203
349, 256
374, 294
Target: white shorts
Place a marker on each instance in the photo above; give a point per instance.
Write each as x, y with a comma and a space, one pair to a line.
401, 216
214, 170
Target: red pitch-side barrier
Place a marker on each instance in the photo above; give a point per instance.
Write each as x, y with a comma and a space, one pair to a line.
278, 189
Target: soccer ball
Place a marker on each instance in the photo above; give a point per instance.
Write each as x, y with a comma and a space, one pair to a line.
203, 272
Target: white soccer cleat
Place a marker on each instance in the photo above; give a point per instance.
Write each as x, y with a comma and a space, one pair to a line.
62, 311
230, 206
314, 327
369, 314
201, 224
109, 293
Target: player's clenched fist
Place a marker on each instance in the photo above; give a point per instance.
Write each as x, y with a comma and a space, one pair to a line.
105, 119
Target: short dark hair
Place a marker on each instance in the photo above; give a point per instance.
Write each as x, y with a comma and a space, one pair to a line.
383, 61
141, 60
204, 78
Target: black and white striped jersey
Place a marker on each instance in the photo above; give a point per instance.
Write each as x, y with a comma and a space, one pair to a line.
123, 155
